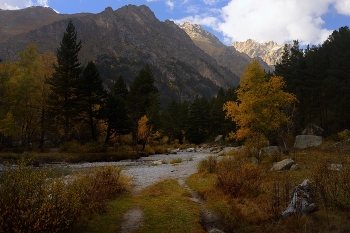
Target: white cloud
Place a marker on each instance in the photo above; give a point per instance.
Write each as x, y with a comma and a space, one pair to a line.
342, 6
170, 4
14, 4
19, 4
43, 3
208, 21
278, 20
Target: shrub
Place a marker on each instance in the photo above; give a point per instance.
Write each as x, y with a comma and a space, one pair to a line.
238, 178
149, 150
176, 160
331, 183
30, 201
94, 147
208, 165
176, 143
72, 147
160, 150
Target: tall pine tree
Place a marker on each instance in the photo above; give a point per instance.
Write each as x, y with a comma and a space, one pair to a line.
92, 96
115, 111
143, 99
63, 99
197, 128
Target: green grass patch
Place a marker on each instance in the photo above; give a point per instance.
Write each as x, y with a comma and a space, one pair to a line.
167, 208
110, 221
176, 160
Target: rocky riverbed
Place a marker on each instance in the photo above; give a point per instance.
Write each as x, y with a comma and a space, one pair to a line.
149, 170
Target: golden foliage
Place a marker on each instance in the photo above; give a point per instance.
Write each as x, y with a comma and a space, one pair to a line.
143, 129
24, 88
260, 104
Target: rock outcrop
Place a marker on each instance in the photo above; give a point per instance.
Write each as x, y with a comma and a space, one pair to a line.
226, 56
269, 51
302, 202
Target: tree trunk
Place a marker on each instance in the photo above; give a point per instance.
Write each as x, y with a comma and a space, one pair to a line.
42, 133
108, 134
92, 127
66, 129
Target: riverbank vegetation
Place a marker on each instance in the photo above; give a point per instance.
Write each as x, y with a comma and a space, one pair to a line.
33, 200
251, 198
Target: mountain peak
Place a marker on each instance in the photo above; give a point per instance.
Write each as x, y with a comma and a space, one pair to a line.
108, 9
269, 51
226, 56
195, 31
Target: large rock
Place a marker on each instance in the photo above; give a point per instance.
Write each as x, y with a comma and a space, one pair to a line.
305, 141
312, 129
272, 149
282, 165
301, 203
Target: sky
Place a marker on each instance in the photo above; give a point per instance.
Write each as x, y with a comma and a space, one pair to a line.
309, 21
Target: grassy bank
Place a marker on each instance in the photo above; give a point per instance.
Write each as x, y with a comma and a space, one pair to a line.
251, 198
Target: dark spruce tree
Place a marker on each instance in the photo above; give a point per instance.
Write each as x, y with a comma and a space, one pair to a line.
92, 96
63, 99
173, 120
115, 111
217, 114
143, 99
197, 129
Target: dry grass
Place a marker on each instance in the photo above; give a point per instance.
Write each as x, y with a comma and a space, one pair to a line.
208, 165
250, 198
176, 160
31, 201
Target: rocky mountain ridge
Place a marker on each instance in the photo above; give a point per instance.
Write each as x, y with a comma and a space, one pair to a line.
121, 42
226, 56
269, 51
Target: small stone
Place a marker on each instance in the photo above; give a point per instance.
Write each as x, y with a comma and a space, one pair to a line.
190, 149
158, 162
295, 167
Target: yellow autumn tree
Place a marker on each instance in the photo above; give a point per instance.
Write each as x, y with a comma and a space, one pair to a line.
260, 106
23, 88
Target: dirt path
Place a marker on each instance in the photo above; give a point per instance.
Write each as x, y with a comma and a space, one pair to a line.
132, 220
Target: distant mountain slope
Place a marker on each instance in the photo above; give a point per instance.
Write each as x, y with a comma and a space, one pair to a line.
122, 42
269, 51
14, 22
226, 56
